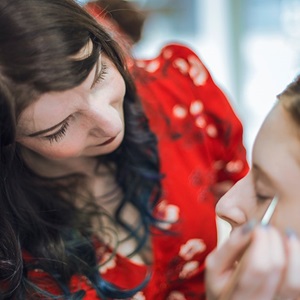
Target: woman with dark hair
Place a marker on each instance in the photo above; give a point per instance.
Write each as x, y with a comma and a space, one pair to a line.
108, 186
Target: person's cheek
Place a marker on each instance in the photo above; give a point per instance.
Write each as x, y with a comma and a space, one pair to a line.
286, 215
61, 149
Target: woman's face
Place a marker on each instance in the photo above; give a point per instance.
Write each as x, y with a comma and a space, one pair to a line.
275, 171
81, 122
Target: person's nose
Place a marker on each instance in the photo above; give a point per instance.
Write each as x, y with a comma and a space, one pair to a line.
104, 119
236, 205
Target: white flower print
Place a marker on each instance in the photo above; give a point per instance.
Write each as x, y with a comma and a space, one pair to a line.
152, 66
191, 248
197, 71
234, 166
212, 130
179, 111
196, 107
141, 64
108, 263
167, 54
139, 296
175, 295
194, 67
182, 65
189, 269
200, 122
167, 212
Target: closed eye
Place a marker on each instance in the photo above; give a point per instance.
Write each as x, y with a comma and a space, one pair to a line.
57, 136
101, 75
262, 198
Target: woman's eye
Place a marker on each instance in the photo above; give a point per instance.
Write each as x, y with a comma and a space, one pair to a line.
57, 136
102, 73
262, 198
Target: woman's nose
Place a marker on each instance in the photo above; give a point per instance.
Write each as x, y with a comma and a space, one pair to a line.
235, 206
105, 120
228, 210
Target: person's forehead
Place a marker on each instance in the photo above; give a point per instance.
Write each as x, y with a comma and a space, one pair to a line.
277, 144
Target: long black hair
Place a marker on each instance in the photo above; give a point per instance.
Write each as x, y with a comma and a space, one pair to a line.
37, 41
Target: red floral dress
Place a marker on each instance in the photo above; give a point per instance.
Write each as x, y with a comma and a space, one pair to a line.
200, 144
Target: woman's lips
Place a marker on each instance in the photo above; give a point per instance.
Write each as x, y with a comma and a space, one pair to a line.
106, 142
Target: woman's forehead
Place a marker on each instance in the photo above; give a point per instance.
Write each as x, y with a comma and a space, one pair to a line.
277, 142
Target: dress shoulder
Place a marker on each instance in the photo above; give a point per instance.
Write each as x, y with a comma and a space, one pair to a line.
179, 57
179, 94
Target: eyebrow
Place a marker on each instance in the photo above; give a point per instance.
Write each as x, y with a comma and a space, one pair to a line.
48, 129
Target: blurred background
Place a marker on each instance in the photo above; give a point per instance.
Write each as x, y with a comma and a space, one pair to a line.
251, 47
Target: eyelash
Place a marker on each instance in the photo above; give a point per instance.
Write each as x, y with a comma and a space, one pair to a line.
262, 198
102, 73
55, 137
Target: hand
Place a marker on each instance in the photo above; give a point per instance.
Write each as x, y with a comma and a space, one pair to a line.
269, 266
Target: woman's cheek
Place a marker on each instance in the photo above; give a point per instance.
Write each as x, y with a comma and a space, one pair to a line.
57, 150
66, 150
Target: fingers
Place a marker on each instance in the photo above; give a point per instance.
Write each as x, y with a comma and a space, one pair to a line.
220, 264
269, 267
262, 266
290, 287
224, 257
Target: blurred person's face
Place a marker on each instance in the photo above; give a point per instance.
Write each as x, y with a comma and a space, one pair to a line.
81, 122
275, 171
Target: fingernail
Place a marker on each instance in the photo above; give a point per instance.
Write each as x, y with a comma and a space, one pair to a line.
248, 226
264, 225
291, 233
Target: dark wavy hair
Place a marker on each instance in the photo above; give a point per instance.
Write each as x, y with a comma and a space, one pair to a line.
290, 98
37, 216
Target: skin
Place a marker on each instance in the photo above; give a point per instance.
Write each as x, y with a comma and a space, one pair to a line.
269, 256
91, 118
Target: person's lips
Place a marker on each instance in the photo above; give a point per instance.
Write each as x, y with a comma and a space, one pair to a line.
106, 142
